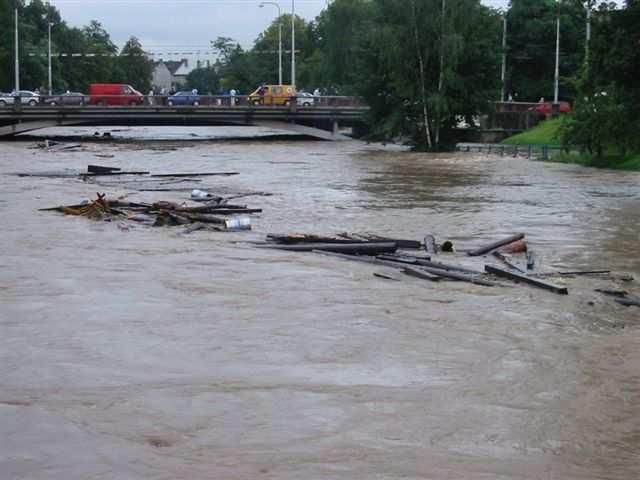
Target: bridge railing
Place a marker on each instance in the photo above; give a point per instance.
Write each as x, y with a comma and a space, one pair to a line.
86, 101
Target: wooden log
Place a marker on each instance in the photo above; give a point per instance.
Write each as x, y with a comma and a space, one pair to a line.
628, 302
401, 243
495, 245
355, 248
376, 261
206, 174
569, 274
424, 261
458, 276
293, 239
518, 277
386, 276
203, 218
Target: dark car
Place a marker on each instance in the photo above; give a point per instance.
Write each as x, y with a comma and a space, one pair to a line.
68, 98
184, 98
547, 107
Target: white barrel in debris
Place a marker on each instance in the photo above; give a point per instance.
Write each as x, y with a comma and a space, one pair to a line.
238, 223
199, 194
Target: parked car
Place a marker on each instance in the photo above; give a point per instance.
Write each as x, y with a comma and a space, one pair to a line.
68, 98
104, 94
273, 95
26, 98
305, 99
547, 107
184, 98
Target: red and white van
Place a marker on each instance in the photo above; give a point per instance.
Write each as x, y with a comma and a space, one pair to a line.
114, 94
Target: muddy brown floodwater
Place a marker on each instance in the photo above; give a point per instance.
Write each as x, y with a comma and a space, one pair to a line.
148, 354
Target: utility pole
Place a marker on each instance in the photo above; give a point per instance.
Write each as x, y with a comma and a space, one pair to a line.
504, 56
49, 24
557, 72
17, 86
293, 43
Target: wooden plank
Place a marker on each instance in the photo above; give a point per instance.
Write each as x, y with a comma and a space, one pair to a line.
507, 262
420, 273
494, 245
359, 248
426, 262
206, 174
458, 276
416, 272
518, 277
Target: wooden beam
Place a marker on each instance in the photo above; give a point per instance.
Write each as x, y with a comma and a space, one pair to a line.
494, 245
518, 277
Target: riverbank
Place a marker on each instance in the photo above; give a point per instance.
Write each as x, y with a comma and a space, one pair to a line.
548, 133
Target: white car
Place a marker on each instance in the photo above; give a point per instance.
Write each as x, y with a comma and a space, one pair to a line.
305, 99
26, 98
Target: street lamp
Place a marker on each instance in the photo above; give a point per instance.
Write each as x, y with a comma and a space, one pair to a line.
17, 58
49, 25
293, 43
277, 5
557, 72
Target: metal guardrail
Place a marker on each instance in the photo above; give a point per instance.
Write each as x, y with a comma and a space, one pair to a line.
87, 101
526, 151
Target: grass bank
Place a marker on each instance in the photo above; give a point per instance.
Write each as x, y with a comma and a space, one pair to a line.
548, 133
630, 162
545, 133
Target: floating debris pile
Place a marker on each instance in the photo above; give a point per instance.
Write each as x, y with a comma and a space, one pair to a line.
165, 213
513, 252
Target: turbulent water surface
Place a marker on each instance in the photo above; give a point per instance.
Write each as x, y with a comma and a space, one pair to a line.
139, 352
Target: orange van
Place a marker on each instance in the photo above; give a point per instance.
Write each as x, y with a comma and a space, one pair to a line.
273, 95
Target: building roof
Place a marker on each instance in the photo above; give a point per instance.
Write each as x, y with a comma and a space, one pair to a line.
173, 66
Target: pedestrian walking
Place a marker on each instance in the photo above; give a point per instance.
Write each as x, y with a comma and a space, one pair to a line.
233, 96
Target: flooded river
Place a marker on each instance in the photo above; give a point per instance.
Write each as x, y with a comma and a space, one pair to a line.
149, 354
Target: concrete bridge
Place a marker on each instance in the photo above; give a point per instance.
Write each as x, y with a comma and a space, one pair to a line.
319, 121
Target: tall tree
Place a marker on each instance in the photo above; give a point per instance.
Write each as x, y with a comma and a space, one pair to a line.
420, 72
136, 67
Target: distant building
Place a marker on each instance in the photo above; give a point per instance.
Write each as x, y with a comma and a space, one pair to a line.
167, 74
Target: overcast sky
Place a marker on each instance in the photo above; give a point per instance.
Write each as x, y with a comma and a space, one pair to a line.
185, 25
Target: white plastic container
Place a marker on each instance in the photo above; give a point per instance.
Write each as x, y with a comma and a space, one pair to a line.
238, 223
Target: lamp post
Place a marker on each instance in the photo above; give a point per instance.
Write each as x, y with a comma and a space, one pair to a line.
557, 72
17, 86
504, 56
49, 24
277, 5
588, 35
293, 43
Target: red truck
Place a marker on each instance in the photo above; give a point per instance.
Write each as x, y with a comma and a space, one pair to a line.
114, 94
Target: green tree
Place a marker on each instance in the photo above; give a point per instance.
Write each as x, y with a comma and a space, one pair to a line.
136, 67
607, 110
205, 80
420, 71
